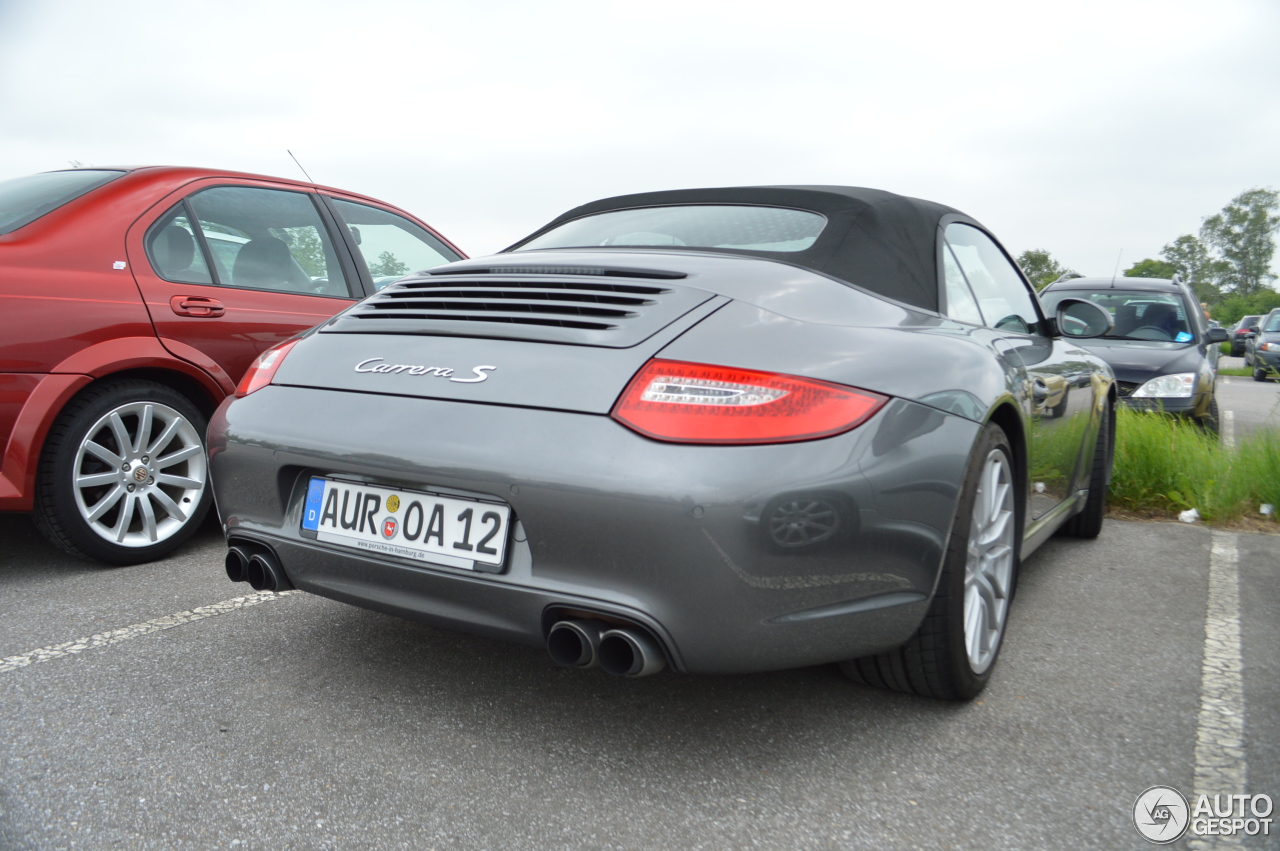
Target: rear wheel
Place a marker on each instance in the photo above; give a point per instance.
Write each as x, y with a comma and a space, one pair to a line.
953, 653
123, 477
1259, 374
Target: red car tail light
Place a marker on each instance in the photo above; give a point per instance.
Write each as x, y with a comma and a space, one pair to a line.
264, 368
697, 403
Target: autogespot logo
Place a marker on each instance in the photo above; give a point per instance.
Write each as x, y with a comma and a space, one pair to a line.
1161, 815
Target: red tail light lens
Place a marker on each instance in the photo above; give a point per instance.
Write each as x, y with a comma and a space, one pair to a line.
696, 403
264, 368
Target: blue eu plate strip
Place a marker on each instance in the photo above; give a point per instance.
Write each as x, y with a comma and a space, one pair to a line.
315, 502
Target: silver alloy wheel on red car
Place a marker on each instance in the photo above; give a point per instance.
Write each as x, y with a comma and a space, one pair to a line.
139, 473
989, 569
123, 476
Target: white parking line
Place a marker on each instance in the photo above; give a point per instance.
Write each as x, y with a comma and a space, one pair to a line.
1229, 429
115, 636
1220, 762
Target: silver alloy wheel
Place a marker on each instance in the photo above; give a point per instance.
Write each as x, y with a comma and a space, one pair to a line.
989, 568
139, 474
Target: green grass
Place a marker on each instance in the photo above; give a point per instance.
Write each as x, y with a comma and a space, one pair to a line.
1168, 464
1242, 372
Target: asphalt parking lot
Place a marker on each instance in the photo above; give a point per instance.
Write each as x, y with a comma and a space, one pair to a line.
188, 720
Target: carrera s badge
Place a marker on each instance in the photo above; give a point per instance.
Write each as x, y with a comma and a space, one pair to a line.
377, 365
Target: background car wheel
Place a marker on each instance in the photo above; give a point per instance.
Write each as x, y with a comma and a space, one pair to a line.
1211, 421
953, 653
1088, 523
1259, 374
123, 477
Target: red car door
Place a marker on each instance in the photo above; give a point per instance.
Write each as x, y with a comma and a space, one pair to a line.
228, 268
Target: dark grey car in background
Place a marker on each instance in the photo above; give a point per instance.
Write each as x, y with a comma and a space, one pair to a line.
721, 430
1163, 352
1262, 351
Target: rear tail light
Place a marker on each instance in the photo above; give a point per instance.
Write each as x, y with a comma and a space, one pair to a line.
696, 403
264, 369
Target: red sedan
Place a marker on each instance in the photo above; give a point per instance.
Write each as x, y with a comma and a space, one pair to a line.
131, 302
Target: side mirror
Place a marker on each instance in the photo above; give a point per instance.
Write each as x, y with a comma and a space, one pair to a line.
1216, 335
1081, 319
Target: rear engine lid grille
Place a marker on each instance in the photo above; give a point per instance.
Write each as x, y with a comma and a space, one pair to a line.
594, 271
588, 309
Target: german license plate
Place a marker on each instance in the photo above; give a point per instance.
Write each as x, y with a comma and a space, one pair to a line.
424, 527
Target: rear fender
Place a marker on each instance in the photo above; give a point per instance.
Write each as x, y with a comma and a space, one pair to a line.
51, 395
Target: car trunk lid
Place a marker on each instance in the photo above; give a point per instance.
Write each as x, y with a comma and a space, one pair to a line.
508, 336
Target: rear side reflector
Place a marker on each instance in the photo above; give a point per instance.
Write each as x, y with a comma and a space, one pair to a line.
263, 369
696, 403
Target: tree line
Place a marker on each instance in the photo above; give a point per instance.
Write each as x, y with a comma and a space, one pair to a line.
1227, 265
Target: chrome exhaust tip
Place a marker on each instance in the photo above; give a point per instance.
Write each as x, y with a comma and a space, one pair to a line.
630, 653
237, 563
575, 644
264, 573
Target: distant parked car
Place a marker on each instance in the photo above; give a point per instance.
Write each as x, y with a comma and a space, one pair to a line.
1263, 350
134, 299
1164, 356
1242, 332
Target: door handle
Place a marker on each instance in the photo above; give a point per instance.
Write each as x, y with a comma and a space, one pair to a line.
196, 305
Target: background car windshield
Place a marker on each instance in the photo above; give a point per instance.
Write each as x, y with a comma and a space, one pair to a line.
25, 199
1151, 316
1273, 324
690, 226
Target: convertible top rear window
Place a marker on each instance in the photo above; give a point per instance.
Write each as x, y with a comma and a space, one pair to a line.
25, 199
740, 227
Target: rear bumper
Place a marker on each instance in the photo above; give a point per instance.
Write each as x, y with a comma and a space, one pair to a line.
675, 538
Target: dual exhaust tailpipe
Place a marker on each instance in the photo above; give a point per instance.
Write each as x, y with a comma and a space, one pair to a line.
621, 650
257, 565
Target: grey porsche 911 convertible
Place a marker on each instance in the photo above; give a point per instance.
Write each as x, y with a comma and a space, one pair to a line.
721, 430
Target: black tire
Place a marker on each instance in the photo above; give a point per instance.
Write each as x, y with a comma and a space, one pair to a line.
1088, 523
1211, 422
936, 662
143, 490
1259, 374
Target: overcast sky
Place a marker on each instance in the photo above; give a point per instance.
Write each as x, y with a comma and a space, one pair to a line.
1085, 128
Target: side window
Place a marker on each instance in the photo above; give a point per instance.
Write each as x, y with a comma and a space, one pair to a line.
172, 249
268, 239
960, 302
1003, 297
391, 245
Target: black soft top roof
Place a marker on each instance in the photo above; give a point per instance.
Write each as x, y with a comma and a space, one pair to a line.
876, 240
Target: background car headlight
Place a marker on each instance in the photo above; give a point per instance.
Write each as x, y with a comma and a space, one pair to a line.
1266, 347
1178, 386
